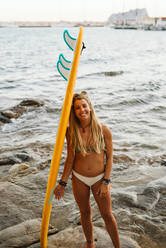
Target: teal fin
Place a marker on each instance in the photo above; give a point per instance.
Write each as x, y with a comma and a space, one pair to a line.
69, 40
64, 70
64, 61
64, 65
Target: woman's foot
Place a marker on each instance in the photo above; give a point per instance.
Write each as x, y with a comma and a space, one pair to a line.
90, 245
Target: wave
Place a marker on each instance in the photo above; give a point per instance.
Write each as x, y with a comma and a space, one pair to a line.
133, 101
160, 108
105, 73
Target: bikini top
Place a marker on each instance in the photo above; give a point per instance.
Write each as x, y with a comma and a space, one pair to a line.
88, 149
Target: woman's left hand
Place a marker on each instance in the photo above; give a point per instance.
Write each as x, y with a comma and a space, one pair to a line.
104, 189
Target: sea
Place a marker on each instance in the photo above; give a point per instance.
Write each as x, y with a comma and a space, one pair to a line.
124, 74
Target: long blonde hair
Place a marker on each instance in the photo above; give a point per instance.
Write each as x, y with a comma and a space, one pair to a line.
96, 138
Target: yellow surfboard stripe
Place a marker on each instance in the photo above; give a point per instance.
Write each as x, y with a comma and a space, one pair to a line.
59, 143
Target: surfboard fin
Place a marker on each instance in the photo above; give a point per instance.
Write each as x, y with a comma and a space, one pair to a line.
64, 65
69, 40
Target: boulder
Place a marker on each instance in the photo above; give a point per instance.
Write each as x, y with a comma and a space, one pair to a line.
21, 235
74, 238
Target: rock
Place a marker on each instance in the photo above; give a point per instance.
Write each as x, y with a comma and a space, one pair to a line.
4, 119
32, 102
112, 73
148, 199
159, 184
163, 163
9, 114
74, 238
23, 198
122, 158
16, 158
15, 169
24, 156
141, 226
9, 161
145, 200
14, 112
18, 110
124, 199
21, 235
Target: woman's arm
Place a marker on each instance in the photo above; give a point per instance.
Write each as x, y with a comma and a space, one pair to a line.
69, 162
59, 190
109, 151
105, 188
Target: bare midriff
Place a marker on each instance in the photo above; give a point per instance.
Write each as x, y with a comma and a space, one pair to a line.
90, 165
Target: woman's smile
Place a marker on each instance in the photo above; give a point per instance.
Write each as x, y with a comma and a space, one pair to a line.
82, 109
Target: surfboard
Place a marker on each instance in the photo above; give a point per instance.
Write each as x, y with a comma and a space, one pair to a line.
63, 66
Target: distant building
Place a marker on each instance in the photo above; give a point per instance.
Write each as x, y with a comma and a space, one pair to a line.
156, 23
128, 18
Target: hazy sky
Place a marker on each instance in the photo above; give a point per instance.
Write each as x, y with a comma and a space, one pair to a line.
74, 10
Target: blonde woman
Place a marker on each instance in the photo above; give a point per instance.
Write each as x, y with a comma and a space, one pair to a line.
87, 143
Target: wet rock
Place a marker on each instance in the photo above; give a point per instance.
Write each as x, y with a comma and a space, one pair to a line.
9, 161
159, 184
74, 238
160, 206
163, 163
4, 119
18, 110
24, 156
32, 102
9, 114
148, 199
14, 112
1, 123
113, 73
122, 158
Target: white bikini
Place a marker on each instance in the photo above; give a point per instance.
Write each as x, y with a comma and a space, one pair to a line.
88, 180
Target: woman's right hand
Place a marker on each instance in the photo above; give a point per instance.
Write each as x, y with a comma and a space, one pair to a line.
59, 191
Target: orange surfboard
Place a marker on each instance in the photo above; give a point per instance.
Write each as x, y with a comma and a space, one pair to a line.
60, 133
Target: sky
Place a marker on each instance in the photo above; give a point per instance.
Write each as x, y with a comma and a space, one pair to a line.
74, 10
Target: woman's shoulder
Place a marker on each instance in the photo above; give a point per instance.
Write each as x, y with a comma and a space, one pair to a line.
105, 128
107, 138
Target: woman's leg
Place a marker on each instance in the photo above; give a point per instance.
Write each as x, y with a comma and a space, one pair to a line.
82, 196
105, 206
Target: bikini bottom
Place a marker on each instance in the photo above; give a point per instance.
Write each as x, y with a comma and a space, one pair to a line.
89, 181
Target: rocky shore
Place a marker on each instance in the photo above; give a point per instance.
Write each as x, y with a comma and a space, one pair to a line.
138, 202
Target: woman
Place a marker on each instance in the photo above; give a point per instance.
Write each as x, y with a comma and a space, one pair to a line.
87, 143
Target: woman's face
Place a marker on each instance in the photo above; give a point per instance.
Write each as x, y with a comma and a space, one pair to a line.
82, 109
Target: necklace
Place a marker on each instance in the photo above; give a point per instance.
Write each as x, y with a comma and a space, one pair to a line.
84, 128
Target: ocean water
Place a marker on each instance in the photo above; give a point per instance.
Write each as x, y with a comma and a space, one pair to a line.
131, 102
